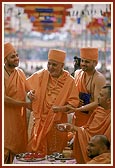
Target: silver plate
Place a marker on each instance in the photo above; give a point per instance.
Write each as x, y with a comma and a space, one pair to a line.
29, 157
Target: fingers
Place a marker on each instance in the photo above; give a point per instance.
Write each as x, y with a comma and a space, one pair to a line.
81, 103
32, 95
64, 127
61, 127
32, 92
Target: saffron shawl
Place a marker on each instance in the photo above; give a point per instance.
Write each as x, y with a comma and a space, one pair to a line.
15, 126
98, 123
68, 94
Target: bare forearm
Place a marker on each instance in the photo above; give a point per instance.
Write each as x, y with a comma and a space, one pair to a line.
74, 128
88, 107
64, 108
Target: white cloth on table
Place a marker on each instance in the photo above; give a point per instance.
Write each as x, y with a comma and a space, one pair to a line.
45, 161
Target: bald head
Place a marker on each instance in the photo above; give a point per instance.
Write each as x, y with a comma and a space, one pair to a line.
102, 139
108, 88
104, 98
97, 145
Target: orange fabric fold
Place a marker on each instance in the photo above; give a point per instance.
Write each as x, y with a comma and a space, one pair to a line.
15, 128
45, 118
104, 158
79, 80
80, 118
98, 123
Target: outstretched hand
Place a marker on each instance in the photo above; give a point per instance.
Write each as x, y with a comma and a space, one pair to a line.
67, 127
31, 95
65, 109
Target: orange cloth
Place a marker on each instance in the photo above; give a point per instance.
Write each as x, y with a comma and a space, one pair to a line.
57, 55
81, 118
50, 91
104, 158
15, 127
8, 48
89, 53
98, 123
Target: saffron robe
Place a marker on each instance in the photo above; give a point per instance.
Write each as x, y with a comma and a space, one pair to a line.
104, 158
81, 118
98, 123
50, 91
15, 126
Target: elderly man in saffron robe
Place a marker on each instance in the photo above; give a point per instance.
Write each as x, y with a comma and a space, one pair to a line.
15, 126
55, 90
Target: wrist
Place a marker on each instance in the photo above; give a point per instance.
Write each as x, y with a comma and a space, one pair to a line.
72, 127
80, 108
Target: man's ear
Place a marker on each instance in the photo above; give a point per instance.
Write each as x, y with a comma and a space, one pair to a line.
95, 63
5, 60
62, 65
109, 100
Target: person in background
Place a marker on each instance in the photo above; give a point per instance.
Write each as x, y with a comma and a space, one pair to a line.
89, 82
76, 64
76, 61
55, 90
15, 126
98, 149
98, 123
